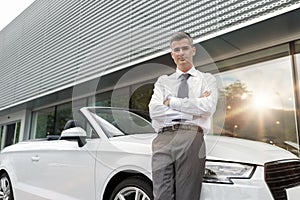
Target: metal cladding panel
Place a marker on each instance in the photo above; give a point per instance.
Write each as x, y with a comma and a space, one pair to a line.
55, 44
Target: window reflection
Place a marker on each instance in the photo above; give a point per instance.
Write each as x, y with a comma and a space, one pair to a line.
43, 123
260, 103
50, 121
140, 98
62, 115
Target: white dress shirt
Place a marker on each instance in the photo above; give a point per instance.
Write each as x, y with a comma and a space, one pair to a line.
194, 110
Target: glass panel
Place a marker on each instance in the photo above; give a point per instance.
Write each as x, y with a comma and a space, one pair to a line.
116, 98
76, 106
260, 103
118, 122
297, 47
10, 134
18, 132
42, 123
297, 63
91, 133
120, 97
103, 99
63, 114
1, 135
141, 97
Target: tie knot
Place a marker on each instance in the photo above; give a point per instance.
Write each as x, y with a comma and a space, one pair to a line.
185, 76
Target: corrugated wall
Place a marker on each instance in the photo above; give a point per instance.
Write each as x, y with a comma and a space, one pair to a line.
55, 44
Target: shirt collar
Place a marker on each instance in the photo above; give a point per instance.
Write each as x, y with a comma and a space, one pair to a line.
192, 72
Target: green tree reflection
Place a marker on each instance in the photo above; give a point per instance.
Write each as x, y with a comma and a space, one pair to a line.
237, 98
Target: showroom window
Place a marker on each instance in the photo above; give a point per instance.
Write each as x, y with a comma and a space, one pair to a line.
50, 121
297, 64
260, 102
297, 47
62, 115
116, 98
134, 97
43, 123
9, 134
1, 134
103, 99
141, 97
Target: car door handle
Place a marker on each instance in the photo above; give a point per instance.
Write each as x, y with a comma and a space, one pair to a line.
35, 158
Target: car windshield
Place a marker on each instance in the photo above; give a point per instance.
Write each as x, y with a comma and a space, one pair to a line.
118, 122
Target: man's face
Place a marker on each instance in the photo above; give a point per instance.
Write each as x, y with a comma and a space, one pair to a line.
182, 54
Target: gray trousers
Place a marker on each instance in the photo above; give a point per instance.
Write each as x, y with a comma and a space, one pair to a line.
178, 165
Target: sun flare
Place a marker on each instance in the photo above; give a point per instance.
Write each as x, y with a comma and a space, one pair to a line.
261, 101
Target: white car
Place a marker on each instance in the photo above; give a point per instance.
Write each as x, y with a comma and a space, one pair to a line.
108, 157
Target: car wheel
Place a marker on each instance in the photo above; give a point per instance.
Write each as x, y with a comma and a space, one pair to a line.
133, 188
5, 188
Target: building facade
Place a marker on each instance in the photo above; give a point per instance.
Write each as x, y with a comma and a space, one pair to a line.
58, 56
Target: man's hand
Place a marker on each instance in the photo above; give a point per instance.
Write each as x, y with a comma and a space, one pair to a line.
167, 102
205, 94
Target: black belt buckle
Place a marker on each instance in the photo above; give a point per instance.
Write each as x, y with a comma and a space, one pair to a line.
175, 127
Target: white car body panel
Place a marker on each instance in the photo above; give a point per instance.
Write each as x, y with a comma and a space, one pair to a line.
61, 170
59, 165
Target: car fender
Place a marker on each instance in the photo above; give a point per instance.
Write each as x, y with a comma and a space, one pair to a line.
134, 169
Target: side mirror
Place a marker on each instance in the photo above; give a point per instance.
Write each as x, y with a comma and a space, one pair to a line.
76, 133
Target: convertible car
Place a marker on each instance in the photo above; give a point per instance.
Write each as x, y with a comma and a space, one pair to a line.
107, 156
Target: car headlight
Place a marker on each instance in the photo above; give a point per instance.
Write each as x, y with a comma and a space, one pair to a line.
223, 172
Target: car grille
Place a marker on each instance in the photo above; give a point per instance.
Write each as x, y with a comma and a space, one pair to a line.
281, 175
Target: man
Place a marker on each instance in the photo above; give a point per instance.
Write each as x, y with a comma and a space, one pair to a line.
181, 108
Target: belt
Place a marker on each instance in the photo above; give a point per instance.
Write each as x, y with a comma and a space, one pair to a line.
176, 127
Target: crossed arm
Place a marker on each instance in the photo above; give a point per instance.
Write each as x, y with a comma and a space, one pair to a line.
205, 94
161, 107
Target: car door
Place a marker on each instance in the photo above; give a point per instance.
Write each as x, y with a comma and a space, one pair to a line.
56, 170
67, 170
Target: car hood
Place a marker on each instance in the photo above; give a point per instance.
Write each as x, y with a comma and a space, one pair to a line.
217, 148
242, 150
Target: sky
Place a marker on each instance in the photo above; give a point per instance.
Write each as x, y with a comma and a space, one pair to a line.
10, 9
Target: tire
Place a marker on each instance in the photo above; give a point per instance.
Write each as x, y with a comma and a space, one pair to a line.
6, 192
133, 188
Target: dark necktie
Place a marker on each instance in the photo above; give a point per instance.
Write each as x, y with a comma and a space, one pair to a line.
183, 90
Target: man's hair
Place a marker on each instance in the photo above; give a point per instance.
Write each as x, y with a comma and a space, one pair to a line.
179, 36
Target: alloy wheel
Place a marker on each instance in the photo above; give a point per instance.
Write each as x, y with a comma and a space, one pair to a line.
131, 193
5, 189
